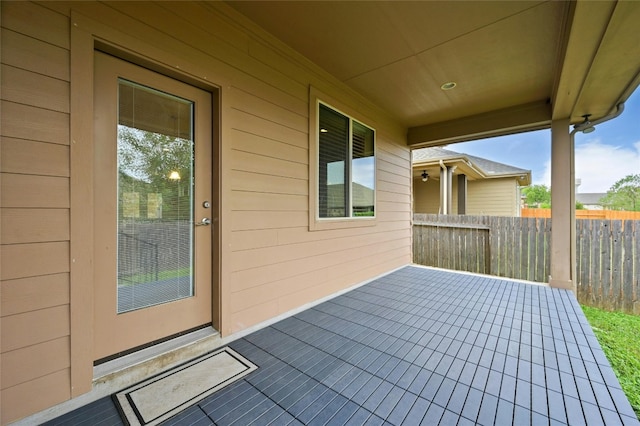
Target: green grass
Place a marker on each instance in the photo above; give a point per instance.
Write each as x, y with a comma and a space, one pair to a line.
162, 275
618, 335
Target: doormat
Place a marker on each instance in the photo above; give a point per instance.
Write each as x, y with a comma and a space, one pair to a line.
162, 396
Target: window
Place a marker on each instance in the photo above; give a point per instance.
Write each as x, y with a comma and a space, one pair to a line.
346, 166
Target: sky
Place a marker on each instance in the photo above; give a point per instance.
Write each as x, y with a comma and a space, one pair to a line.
602, 157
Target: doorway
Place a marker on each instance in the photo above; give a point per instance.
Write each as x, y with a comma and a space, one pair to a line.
153, 207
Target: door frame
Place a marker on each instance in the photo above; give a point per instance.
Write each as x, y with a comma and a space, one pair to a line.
88, 35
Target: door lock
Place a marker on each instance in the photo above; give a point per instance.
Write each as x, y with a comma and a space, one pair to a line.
206, 204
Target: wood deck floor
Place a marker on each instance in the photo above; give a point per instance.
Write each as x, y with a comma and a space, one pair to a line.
418, 346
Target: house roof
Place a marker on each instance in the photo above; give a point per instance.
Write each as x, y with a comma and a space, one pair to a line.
474, 167
591, 198
517, 65
361, 196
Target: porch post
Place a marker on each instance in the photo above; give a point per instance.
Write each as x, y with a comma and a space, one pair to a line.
444, 192
462, 194
563, 240
450, 170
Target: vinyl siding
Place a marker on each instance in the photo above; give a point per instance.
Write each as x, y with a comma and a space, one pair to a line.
271, 262
491, 197
34, 282
426, 196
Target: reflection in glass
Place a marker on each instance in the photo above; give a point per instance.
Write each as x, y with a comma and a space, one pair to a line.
155, 190
333, 155
363, 171
346, 166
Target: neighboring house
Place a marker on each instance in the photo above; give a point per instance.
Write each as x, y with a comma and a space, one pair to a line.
363, 200
465, 184
591, 200
248, 108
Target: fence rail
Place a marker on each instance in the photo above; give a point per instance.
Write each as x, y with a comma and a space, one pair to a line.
608, 252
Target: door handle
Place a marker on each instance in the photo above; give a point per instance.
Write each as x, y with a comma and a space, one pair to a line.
204, 222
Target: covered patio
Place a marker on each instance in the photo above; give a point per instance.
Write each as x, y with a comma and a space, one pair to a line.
418, 345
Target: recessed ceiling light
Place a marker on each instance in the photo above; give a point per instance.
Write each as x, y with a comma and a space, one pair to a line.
324, 131
448, 86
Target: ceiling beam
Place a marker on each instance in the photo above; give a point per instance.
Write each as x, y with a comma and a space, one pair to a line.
531, 116
585, 27
614, 74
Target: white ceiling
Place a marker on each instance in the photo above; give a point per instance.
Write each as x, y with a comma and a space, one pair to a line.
517, 64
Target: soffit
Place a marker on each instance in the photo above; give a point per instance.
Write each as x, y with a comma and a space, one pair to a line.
502, 54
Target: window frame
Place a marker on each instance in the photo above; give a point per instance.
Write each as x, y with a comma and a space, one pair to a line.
316, 222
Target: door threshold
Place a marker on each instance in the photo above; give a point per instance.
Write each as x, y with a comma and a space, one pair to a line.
114, 375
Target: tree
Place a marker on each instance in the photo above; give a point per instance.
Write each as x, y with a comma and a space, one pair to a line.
146, 160
537, 196
624, 194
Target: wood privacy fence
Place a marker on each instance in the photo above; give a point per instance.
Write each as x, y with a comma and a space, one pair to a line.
608, 252
585, 214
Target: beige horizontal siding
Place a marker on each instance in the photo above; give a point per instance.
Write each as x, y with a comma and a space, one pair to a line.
299, 235
34, 293
35, 395
291, 267
493, 197
34, 361
324, 282
247, 259
34, 158
393, 187
266, 129
398, 207
248, 180
392, 197
34, 55
36, 21
271, 262
259, 164
30, 260
34, 225
30, 328
33, 191
248, 142
30, 88
261, 201
34, 124
252, 103
35, 217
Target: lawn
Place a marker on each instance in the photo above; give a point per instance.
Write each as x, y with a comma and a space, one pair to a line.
162, 275
618, 335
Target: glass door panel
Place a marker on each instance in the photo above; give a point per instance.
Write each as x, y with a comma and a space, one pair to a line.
155, 197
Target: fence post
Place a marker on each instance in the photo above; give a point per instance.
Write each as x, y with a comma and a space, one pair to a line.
627, 266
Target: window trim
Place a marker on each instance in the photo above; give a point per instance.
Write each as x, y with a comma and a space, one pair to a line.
317, 223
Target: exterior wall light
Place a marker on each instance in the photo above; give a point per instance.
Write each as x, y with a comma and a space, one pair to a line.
586, 126
425, 176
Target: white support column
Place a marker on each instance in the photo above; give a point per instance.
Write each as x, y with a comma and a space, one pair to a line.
450, 170
563, 215
443, 190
